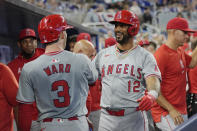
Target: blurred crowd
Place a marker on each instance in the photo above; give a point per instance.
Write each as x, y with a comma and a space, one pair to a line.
97, 13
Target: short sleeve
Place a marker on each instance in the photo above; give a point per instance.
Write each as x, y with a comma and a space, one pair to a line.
151, 67
90, 70
25, 93
10, 85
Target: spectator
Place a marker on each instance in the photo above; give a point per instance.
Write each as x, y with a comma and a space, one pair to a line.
147, 17
8, 92
170, 109
27, 43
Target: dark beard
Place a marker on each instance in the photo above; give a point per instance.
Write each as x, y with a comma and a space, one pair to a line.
26, 55
124, 40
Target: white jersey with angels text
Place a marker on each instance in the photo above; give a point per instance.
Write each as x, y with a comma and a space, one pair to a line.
123, 75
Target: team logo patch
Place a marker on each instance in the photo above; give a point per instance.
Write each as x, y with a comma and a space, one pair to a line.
55, 60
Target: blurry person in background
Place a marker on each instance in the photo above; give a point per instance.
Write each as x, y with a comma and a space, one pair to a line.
8, 92
152, 47
27, 42
192, 93
110, 42
144, 43
71, 42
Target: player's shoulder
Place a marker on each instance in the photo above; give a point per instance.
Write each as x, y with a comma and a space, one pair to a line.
14, 62
107, 50
40, 51
162, 51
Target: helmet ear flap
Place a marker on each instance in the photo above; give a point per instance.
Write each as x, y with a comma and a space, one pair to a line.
132, 31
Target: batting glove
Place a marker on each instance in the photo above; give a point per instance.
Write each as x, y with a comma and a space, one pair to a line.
146, 102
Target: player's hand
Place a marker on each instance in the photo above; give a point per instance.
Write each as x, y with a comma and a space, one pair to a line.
146, 102
176, 116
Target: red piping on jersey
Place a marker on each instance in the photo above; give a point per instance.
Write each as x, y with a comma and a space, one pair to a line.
168, 123
153, 75
53, 53
124, 51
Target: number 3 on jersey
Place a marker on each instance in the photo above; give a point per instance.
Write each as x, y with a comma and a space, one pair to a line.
136, 85
64, 93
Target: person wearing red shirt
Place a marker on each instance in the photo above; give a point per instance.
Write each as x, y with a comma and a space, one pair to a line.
170, 109
8, 92
27, 42
192, 93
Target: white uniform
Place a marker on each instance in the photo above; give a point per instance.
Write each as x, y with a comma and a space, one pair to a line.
58, 82
123, 83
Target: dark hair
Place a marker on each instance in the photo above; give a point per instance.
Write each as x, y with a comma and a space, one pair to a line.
153, 44
72, 38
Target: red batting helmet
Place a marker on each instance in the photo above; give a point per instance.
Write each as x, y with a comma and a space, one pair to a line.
27, 32
129, 18
50, 27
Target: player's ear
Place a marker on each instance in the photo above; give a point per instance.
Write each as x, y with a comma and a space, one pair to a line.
19, 44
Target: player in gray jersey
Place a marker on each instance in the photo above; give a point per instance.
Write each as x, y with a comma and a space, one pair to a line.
58, 80
130, 79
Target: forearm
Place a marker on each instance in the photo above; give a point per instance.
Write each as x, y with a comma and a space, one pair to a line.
161, 100
153, 83
25, 116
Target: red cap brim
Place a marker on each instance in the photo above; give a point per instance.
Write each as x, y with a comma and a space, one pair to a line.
189, 30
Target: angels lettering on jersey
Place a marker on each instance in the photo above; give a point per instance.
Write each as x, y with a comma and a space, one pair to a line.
124, 69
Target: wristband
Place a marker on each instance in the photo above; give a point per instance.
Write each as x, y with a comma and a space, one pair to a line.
153, 93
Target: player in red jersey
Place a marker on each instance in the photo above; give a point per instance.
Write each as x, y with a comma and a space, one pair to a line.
27, 42
8, 94
170, 109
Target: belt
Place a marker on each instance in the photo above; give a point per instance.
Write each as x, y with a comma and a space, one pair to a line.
116, 113
51, 119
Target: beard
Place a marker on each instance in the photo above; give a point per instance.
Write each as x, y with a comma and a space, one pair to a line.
124, 40
27, 55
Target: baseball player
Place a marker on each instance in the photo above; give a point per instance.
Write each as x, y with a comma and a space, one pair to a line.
27, 43
127, 70
58, 80
170, 109
8, 94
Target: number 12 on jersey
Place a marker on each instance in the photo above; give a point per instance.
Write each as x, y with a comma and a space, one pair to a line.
135, 85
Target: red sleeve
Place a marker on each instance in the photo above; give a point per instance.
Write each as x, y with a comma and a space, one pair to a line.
188, 59
25, 116
10, 85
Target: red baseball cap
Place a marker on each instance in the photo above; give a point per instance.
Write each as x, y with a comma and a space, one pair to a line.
110, 42
143, 42
27, 32
83, 36
179, 24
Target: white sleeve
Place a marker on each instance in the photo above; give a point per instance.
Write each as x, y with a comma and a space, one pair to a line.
25, 92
